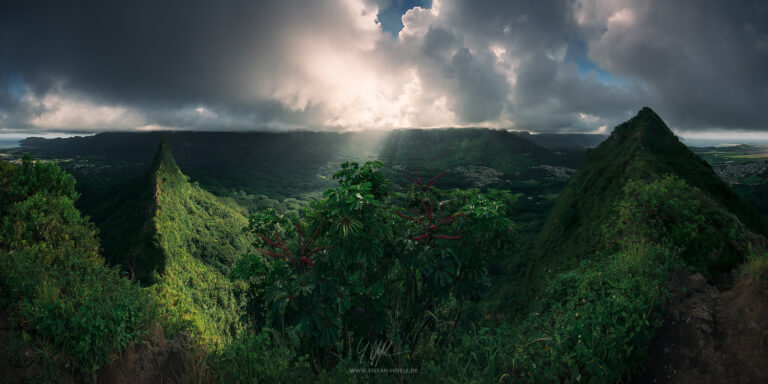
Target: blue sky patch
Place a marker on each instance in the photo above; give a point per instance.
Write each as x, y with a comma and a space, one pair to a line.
390, 16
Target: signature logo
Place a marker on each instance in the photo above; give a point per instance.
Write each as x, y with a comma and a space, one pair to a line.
373, 352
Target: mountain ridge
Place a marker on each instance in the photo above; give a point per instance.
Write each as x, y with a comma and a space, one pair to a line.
643, 148
184, 243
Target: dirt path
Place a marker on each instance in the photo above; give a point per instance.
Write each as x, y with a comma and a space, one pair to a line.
711, 337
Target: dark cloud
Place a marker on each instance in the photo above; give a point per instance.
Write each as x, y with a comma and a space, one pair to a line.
476, 91
704, 62
325, 64
150, 51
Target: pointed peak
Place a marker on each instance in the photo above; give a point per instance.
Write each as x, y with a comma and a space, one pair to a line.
163, 145
647, 111
647, 128
164, 161
649, 117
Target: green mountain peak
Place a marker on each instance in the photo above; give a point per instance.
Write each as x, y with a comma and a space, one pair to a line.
648, 131
641, 149
164, 164
179, 239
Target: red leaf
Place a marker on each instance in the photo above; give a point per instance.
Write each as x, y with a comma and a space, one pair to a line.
317, 250
432, 180
427, 212
298, 224
306, 261
404, 216
273, 254
277, 245
412, 180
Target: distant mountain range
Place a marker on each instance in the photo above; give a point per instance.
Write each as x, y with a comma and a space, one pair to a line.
282, 165
563, 140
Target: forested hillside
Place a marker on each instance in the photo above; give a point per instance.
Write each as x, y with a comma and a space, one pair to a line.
641, 150
255, 167
422, 269
65, 313
182, 241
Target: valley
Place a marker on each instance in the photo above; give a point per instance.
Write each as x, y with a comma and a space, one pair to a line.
229, 251
383, 191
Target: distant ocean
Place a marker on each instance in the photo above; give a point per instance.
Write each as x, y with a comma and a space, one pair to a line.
12, 140
701, 142
9, 143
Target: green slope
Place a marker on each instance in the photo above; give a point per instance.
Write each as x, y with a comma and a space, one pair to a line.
436, 150
644, 149
641, 207
179, 239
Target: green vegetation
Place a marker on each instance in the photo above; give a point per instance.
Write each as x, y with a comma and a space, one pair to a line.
65, 302
745, 168
706, 236
733, 153
642, 150
263, 357
366, 264
594, 322
182, 241
260, 169
756, 266
428, 284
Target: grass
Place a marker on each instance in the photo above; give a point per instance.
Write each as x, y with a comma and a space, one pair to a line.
756, 266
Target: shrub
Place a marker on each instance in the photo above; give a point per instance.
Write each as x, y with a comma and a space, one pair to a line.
59, 290
261, 358
367, 264
672, 213
594, 324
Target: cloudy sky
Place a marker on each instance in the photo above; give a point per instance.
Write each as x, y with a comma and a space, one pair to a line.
555, 66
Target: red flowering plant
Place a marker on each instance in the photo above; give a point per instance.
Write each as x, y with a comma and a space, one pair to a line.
450, 237
366, 263
312, 271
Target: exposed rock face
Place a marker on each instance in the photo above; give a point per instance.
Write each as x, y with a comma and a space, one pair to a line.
711, 337
156, 360
14, 359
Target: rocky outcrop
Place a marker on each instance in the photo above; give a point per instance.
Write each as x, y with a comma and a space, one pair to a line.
709, 336
155, 360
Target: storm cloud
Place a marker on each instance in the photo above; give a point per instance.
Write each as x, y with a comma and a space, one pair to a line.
578, 66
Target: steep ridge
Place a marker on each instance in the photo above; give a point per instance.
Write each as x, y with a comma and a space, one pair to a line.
641, 149
640, 209
181, 241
